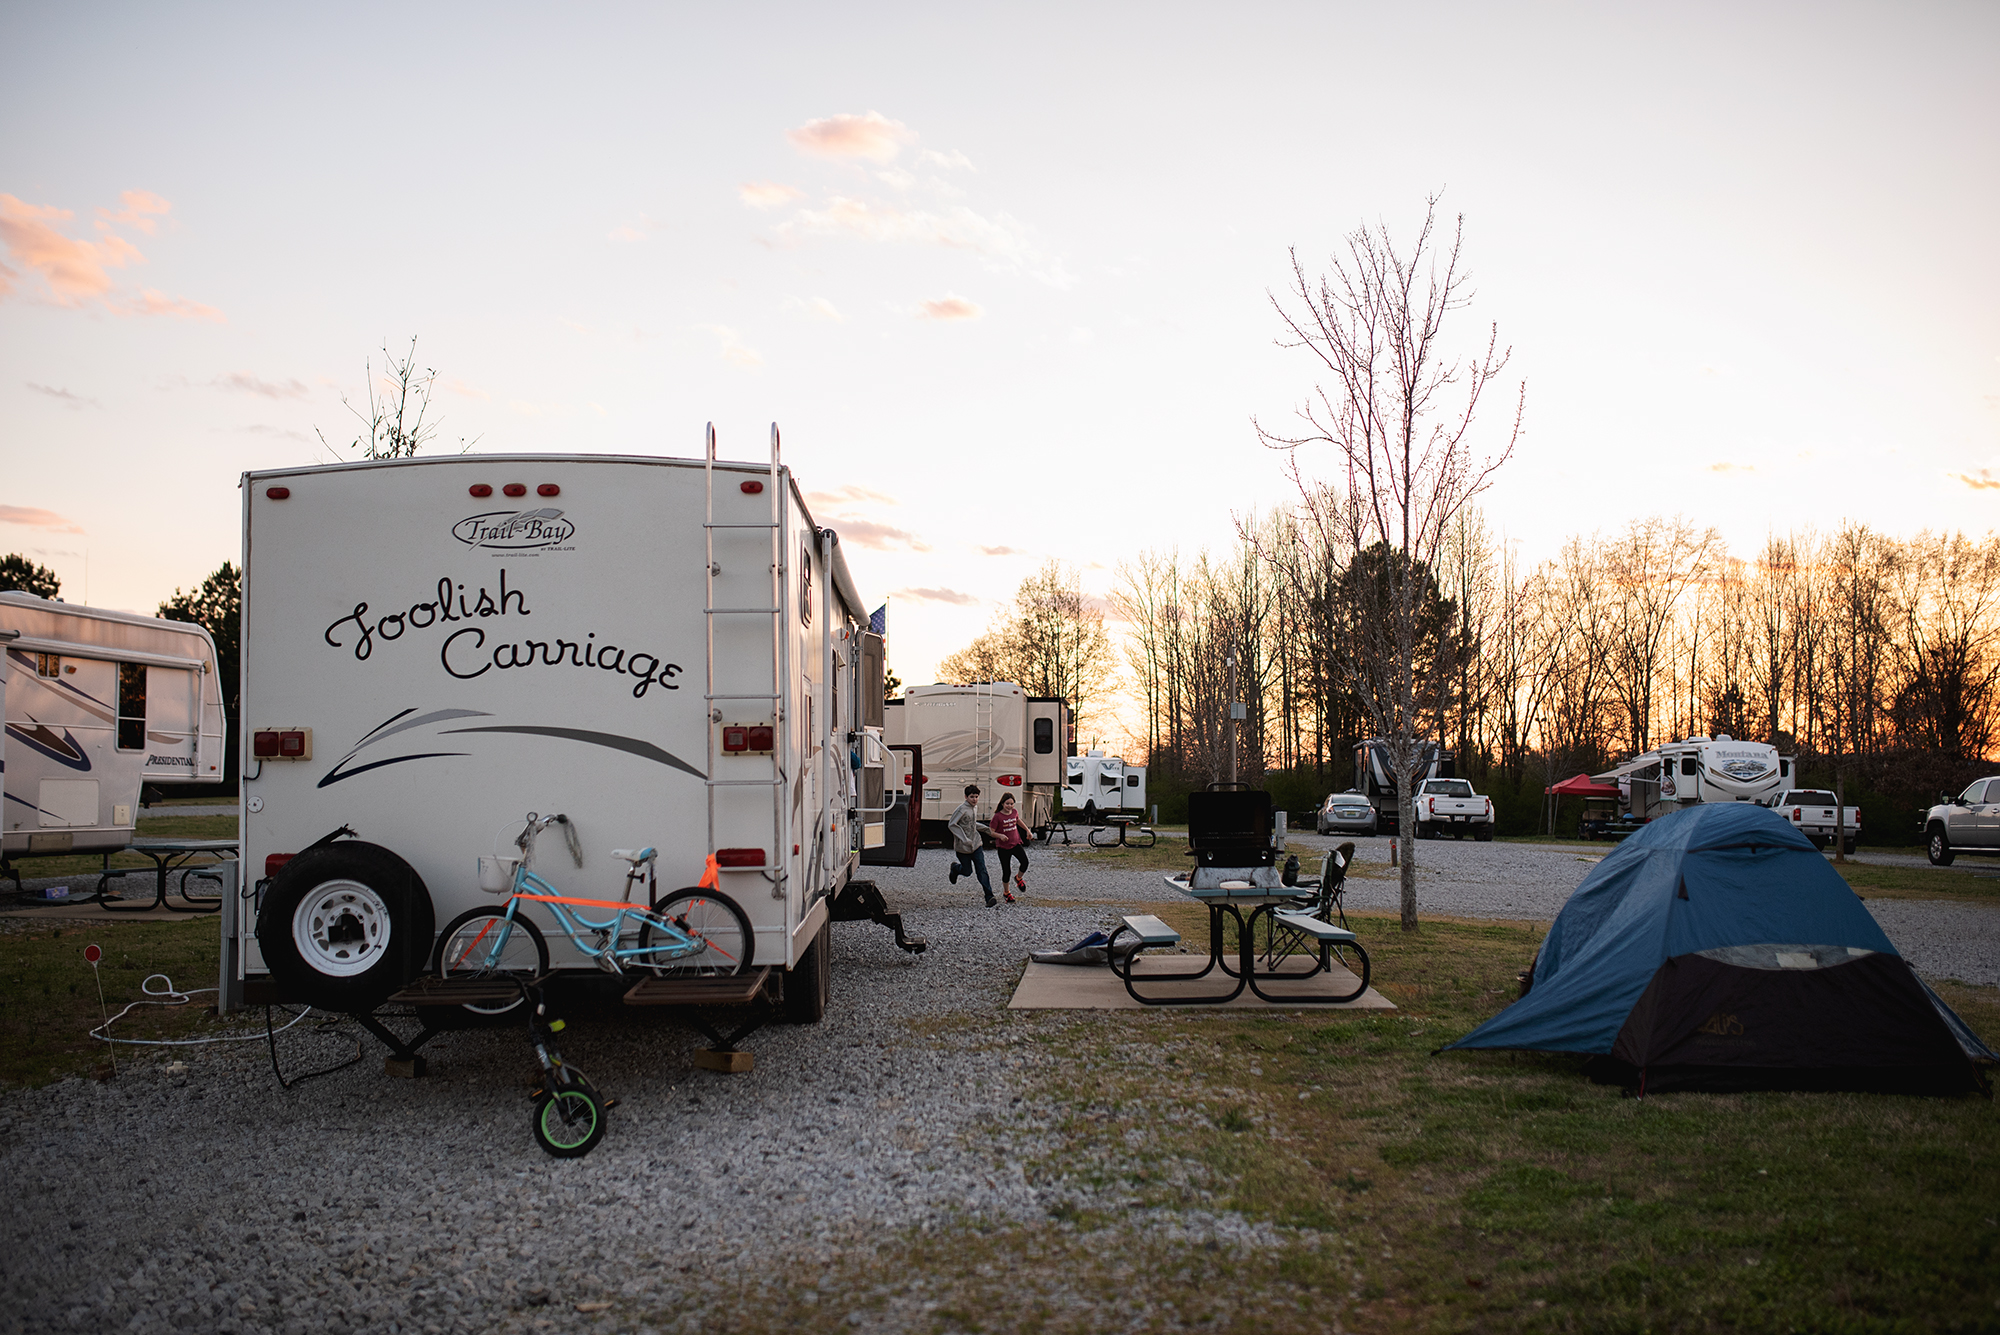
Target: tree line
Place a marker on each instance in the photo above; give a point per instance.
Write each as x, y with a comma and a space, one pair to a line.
1875, 658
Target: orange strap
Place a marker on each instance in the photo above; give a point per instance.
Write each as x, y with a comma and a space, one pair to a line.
593, 903
711, 875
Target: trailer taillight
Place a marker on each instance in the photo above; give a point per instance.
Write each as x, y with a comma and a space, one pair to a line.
515, 489
480, 489
281, 744
739, 857
274, 862
747, 738
1009, 781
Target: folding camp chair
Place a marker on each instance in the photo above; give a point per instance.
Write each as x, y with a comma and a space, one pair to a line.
1324, 899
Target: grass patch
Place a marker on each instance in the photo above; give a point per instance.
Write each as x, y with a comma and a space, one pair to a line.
48, 999
1394, 1190
1872, 882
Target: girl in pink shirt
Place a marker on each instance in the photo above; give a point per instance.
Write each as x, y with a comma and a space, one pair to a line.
1011, 838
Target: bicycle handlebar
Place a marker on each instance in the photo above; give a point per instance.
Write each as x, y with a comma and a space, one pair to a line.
536, 824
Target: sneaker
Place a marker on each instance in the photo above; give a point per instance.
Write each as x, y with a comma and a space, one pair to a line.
1008, 893
1021, 883
991, 902
954, 874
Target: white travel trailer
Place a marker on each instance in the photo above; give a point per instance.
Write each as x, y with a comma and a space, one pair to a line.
1699, 769
1096, 784
668, 651
98, 704
993, 734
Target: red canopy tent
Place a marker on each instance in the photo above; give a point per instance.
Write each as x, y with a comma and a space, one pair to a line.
1582, 786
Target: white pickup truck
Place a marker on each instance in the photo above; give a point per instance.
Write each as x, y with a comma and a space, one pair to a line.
1450, 804
1812, 812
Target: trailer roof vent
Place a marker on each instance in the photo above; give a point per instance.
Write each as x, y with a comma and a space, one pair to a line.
480, 489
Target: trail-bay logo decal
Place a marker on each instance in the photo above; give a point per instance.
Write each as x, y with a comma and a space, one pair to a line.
515, 530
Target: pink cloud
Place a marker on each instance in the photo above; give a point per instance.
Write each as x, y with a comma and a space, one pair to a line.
75, 269
950, 596
71, 267
28, 516
848, 495
872, 136
949, 307
767, 194
876, 537
141, 208
1000, 551
1984, 482
247, 383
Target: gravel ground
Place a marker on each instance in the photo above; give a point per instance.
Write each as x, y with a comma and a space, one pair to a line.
195, 1194
198, 1195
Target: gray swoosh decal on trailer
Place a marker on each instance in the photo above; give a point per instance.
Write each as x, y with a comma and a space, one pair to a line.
630, 745
338, 774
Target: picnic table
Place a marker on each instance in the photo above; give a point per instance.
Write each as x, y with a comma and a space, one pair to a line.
168, 856
1282, 907
1123, 825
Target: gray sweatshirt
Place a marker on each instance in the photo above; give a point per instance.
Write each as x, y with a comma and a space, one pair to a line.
965, 828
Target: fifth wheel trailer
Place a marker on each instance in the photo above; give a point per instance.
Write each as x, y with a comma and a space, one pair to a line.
993, 734
98, 703
668, 651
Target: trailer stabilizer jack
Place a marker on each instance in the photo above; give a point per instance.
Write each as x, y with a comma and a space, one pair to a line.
861, 901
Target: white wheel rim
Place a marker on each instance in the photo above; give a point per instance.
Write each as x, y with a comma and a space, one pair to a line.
341, 928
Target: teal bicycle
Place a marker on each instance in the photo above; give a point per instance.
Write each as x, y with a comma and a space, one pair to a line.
692, 933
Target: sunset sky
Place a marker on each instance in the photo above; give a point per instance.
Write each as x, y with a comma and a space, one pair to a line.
1000, 275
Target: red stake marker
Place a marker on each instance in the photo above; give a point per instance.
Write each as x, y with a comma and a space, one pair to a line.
93, 954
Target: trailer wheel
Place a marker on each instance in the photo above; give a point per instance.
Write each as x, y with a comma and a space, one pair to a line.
809, 986
1939, 847
344, 926
714, 921
1484, 834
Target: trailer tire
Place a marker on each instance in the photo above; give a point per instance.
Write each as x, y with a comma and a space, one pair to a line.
1939, 847
344, 926
809, 986
1484, 834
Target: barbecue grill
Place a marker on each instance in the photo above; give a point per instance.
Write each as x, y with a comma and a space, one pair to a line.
1230, 827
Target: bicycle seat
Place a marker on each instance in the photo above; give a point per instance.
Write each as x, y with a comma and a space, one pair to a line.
638, 857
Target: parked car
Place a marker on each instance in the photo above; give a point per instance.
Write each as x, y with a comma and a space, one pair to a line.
1817, 814
1450, 804
1968, 823
1346, 813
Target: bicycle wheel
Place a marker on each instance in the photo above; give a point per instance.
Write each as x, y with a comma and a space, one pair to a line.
722, 943
579, 1135
482, 943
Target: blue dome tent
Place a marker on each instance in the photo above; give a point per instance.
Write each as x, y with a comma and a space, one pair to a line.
1716, 949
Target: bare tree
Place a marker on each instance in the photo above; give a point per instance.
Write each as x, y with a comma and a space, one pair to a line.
1398, 412
394, 425
1053, 643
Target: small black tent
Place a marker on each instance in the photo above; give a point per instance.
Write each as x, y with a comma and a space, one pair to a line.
1716, 949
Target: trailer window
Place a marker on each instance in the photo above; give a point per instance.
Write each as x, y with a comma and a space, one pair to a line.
1688, 764
805, 586
48, 665
1045, 736
131, 706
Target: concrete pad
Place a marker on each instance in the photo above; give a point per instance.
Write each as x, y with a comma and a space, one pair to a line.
1096, 988
82, 910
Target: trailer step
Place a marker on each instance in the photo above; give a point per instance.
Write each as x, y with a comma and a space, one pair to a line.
430, 991
735, 990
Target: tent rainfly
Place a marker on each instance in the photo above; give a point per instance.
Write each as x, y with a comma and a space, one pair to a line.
1716, 949
1581, 786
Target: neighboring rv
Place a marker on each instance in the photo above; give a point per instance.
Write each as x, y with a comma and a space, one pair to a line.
1095, 785
1375, 777
668, 651
1699, 769
993, 734
97, 704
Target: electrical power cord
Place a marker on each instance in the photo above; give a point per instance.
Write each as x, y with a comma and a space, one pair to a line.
169, 995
